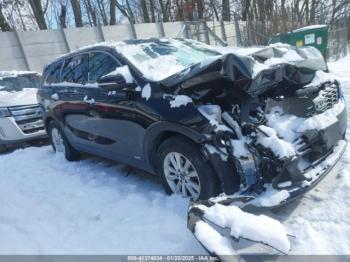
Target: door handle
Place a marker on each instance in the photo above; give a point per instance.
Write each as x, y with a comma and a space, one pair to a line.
89, 100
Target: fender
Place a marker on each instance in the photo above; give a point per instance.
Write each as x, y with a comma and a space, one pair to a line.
158, 132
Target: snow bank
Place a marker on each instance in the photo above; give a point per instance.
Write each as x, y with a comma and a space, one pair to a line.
51, 206
257, 228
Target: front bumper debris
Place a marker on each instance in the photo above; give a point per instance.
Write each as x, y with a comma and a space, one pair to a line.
218, 223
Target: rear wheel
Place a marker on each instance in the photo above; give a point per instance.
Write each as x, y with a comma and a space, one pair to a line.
60, 142
184, 170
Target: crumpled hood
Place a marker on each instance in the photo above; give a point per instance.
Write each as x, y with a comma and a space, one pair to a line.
25, 97
277, 68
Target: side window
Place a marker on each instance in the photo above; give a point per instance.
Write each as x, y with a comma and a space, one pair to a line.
100, 64
74, 69
53, 73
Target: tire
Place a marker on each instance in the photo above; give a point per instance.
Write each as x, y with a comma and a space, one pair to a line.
65, 147
181, 149
3, 149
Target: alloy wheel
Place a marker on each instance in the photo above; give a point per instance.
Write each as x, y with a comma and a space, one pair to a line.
181, 175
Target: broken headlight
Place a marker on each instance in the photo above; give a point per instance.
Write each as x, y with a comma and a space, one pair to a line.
4, 112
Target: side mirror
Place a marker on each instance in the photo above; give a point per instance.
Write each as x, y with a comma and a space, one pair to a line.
112, 82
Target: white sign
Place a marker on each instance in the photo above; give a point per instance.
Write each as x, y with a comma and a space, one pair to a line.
309, 39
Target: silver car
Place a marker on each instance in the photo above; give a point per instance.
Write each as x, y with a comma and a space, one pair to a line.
20, 114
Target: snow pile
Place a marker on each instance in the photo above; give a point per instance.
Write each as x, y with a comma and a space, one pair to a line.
125, 72
285, 125
278, 146
256, 228
289, 127
180, 100
146, 92
212, 240
239, 148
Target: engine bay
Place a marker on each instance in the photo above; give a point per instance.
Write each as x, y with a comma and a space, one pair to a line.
273, 140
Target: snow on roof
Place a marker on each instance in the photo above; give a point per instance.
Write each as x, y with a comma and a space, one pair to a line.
16, 73
310, 27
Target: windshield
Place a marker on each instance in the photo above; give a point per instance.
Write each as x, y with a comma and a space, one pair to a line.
18, 83
158, 60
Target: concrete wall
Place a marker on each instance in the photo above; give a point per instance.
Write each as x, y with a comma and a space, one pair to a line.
32, 50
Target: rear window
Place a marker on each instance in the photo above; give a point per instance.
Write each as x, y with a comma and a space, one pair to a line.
53, 73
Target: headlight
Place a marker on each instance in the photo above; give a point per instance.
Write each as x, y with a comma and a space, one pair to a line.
4, 112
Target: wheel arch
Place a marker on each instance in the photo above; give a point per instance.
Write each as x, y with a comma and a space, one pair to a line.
162, 131
47, 121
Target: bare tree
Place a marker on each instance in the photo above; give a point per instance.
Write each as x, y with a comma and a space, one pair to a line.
91, 12
39, 13
102, 11
77, 13
4, 25
152, 7
112, 5
126, 11
226, 10
63, 15
145, 14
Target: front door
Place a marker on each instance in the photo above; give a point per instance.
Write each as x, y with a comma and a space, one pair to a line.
111, 123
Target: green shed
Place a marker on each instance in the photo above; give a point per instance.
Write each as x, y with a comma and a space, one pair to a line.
314, 35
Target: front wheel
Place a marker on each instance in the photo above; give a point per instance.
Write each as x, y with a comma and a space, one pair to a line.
60, 143
184, 170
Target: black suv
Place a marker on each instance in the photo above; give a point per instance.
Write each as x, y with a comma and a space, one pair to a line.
267, 124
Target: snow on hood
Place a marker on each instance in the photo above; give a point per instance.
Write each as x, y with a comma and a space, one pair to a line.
25, 97
172, 61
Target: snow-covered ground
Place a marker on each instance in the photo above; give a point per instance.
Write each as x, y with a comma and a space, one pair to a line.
50, 206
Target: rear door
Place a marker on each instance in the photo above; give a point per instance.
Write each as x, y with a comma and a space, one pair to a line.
72, 110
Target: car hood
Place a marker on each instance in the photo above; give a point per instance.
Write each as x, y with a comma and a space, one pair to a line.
278, 68
25, 97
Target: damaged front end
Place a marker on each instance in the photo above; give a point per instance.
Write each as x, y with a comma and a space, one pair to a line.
276, 126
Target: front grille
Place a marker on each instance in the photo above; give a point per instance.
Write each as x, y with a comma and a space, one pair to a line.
326, 98
28, 118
